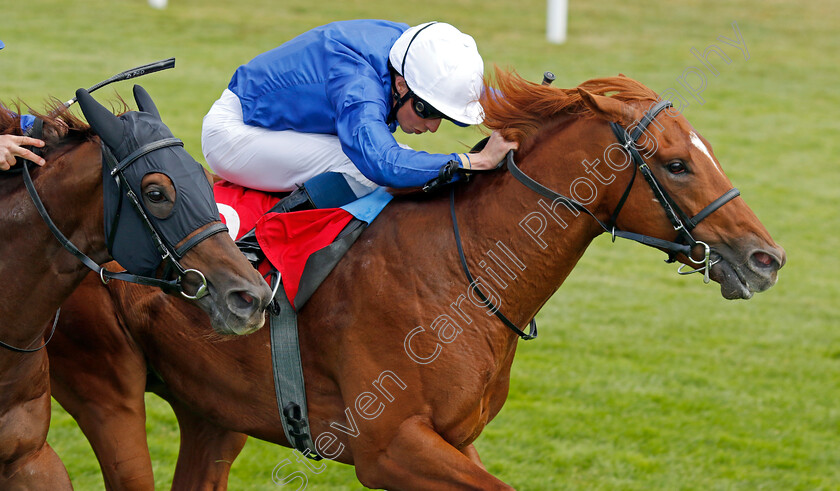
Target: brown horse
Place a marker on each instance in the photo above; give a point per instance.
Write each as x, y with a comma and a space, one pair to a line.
40, 273
404, 365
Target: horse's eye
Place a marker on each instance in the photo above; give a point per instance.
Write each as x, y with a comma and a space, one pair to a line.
156, 196
676, 167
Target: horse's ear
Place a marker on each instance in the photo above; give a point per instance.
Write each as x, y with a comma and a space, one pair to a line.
607, 108
144, 101
104, 123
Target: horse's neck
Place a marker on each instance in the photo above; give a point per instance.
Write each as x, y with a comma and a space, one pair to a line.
516, 242
40, 273
538, 243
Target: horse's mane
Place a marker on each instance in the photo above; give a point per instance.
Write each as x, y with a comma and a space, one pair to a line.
68, 128
524, 107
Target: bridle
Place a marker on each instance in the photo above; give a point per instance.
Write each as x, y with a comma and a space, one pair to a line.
36, 131
682, 223
167, 255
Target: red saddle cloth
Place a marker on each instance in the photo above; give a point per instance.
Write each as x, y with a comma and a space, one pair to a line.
286, 239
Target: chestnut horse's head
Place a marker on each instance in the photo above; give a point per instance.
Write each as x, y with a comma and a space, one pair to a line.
161, 218
683, 200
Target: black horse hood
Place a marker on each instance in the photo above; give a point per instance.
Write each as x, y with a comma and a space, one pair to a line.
140, 144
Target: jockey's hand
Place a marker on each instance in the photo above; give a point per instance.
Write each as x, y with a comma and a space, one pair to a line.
11, 146
492, 153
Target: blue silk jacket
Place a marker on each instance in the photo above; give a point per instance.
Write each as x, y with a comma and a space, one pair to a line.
335, 80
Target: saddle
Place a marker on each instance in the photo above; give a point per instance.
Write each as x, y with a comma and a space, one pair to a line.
301, 236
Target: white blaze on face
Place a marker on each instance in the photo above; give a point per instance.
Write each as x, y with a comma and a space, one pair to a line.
697, 142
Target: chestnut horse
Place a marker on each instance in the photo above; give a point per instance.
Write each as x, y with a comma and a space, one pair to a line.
40, 273
404, 364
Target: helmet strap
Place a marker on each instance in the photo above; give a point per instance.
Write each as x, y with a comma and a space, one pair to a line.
398, 101
392, 116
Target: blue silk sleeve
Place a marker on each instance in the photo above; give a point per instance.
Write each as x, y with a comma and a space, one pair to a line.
361, 104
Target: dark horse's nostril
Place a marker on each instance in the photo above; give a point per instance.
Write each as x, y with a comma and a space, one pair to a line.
241, 301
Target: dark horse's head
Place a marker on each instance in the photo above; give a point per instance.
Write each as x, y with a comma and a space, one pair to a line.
744, 257
159, 214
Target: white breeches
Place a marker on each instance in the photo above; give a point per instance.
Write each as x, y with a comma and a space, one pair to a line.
270, 160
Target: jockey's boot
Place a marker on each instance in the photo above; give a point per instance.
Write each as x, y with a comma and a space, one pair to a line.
297, 200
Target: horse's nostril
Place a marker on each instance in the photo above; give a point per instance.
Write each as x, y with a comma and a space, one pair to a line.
248, 299
763, 258
763, 261
241, 301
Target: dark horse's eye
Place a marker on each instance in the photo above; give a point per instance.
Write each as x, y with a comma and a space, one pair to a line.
676, 167
156, 196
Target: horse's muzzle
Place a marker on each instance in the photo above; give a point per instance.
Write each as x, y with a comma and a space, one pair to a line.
742, 274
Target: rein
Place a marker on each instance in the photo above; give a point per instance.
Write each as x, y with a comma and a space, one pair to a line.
532, 330
39, 348
682, 223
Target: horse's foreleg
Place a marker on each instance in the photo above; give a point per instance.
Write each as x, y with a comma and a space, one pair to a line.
417, 458
116, 430
98, 374
27, 462
206, 454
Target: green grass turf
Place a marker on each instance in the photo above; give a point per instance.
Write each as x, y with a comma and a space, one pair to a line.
640, 379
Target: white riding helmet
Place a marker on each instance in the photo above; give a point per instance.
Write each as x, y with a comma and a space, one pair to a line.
443, 67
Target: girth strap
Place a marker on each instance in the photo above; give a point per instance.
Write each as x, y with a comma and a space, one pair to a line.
288, 375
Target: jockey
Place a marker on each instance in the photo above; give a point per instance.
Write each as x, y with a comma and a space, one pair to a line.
329, 100
11, 146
